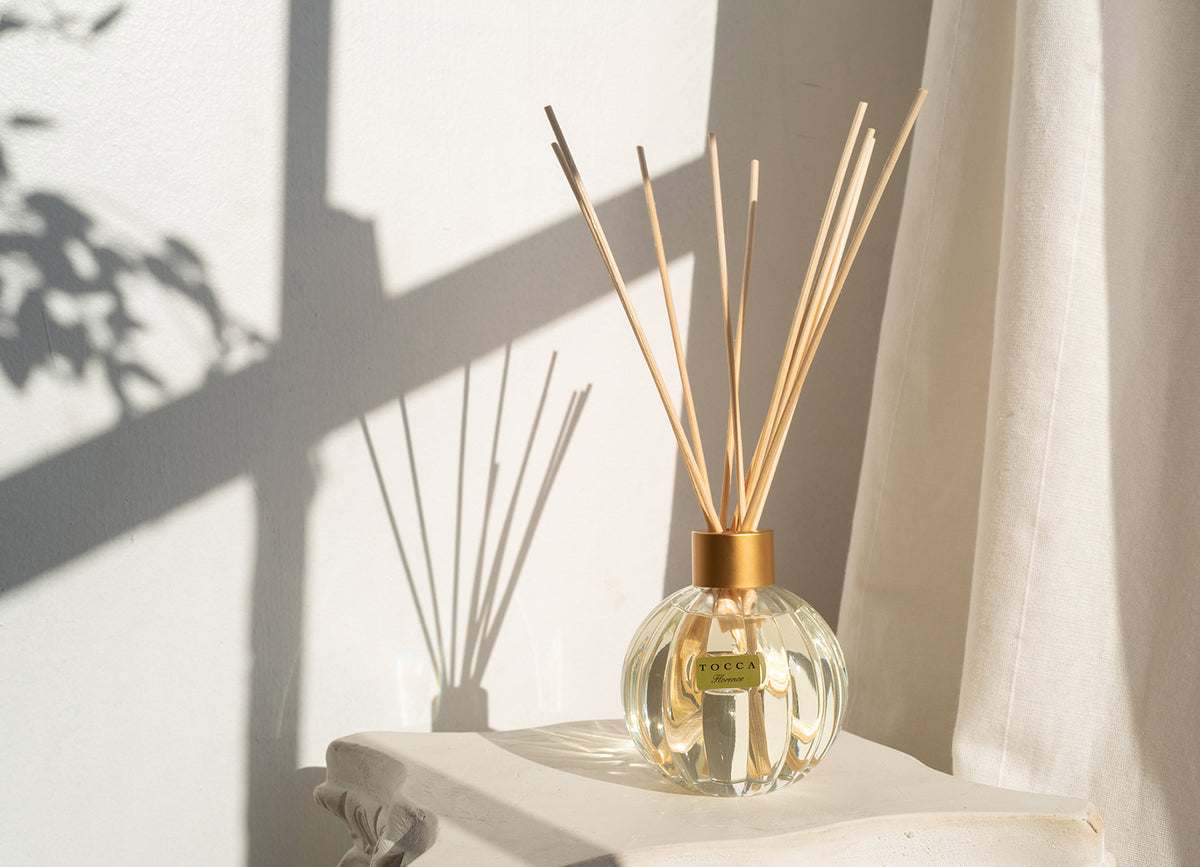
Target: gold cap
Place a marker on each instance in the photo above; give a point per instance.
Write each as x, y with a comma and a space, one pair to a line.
733, 560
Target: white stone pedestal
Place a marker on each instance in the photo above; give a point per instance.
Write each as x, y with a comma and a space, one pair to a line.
579, 793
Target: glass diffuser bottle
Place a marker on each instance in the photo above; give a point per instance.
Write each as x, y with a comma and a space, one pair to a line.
733, 686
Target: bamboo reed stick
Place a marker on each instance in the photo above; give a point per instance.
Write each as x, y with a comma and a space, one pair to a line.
733, 428
777, 395
567, 163
877, 193
737, 344
758, 758
833, 255
727, 471
818, 304
680, 359
843, 272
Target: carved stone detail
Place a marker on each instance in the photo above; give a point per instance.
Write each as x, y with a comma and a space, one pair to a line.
387, 829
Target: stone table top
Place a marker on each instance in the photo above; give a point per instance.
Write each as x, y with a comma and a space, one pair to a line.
579, 793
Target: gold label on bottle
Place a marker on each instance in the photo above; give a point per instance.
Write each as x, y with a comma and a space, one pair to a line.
729, 672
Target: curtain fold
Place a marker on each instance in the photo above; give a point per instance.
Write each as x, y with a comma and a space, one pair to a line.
1022, 599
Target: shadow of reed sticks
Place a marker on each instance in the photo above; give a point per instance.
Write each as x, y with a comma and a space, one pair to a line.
461, 703
566, 431
391, 515
493, 472
480, 617
437, 616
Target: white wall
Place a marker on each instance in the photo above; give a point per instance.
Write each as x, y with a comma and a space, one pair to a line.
199, 587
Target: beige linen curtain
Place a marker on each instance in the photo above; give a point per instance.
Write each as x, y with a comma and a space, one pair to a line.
1022, 599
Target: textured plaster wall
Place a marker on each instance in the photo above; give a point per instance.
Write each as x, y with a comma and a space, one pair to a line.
233, 236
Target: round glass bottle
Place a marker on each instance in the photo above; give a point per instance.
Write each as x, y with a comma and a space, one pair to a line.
733, 686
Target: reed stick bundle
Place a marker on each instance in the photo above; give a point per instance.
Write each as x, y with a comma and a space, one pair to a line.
833, 253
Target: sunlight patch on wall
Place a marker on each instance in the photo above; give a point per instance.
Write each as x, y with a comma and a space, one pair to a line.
448, 150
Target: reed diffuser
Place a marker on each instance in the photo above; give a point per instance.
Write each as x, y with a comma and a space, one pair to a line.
735, 686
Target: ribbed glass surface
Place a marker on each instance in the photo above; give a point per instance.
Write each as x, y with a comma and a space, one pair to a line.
734, 741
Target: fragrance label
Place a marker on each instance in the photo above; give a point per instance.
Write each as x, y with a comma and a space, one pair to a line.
729, 672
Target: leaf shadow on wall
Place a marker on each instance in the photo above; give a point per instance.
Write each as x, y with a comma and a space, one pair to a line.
72, 282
